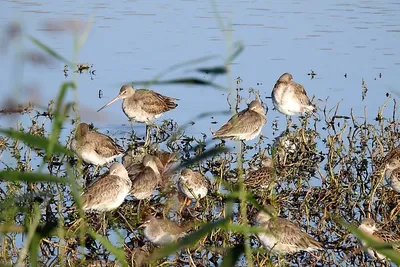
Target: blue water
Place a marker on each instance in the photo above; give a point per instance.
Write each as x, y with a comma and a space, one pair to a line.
132, 41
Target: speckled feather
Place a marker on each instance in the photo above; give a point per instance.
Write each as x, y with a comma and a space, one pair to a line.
260, 178
147, 180
368, 227
149, 102
392, 177
160, 231
194, 181
282, 236
94, 142
103, 193
145, 183
246, 122
286, 92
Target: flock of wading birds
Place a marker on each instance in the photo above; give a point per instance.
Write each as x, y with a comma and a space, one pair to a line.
140, 180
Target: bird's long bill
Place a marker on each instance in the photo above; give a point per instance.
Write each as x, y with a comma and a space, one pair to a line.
109, 103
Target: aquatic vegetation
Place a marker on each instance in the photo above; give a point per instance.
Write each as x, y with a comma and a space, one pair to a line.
327, 179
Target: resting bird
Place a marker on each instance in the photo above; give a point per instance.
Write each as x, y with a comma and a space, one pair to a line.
93, 147
160, 231
289, 97
263, 177
192, 184
143, 105
246, 125
368, 227
108, 191
146, 181
282, 236
392, 174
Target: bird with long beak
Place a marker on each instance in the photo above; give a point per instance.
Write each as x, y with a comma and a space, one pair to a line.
143, 105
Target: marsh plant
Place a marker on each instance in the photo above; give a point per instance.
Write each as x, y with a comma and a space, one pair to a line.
325, 182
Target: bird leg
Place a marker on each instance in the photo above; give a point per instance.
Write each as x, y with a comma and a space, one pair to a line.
138, 210
148, 135
288, 123
104, 224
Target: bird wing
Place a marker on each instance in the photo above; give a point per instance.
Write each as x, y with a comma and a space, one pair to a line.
104, 145
290, 234
245, 122
103, 190
145, 181
386, 236
154, 102
134, 169
301, 93
171, 227
259, 177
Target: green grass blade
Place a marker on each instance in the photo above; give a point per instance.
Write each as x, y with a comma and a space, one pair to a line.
36, 141
206, 154
185, 81
59, 117
30, 177
219, 70
117, 252
48, 50
187, 241
183, 64
239, 47
232, 256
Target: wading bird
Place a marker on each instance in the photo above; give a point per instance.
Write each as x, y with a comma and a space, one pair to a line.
143, 105
289, 97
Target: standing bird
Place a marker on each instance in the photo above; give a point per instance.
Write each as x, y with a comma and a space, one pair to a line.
146, 181
93, 147
161, 232
192, 184
368, 227
392, 174
108, 191
246, 125
263, 177
143, 105
282, 236
289, 97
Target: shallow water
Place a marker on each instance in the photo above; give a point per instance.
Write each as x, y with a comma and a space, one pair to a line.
134, 41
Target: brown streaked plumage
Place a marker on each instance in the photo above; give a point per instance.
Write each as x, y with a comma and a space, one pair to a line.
143, 105
368, 227
289, 97
193, 184
146, 180
263, 177
94, 147
282, 236
392, 174
246, 125
108, 191
387, 164
161, 232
